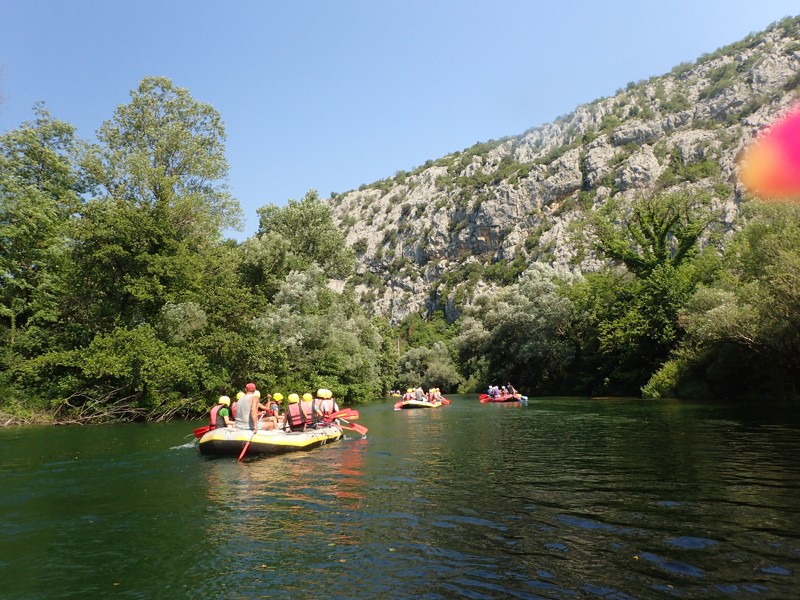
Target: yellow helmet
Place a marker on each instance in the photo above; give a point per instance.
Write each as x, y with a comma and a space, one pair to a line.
240, 395
307, 397
294, 398
321, 393
278, 397
224, 400
326, 394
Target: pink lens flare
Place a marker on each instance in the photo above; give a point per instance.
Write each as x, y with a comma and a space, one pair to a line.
770, 166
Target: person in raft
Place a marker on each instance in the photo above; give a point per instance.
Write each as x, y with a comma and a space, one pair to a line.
274, 405
327, 405
294, 419
247, 408
266, 420
220, 414
310, 408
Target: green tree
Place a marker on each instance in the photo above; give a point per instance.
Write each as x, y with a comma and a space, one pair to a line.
40, 187
521, 334
145, 253
743, 328
428, 367
656, 230
160, 165
311, 234
657, 240
320, 338
164, 152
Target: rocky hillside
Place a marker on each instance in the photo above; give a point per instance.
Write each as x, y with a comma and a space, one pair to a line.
428, 239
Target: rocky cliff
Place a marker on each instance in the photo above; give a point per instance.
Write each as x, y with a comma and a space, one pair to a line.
427, 239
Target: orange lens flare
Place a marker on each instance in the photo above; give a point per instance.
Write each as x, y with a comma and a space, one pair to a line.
770, 167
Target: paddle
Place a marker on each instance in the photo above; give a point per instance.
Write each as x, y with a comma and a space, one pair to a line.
348, 413
255, 431
445, 401
201, 431
354, 426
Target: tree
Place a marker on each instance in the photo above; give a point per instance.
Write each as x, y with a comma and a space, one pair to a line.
319, 338
656, 230
146, 248
520, 334
40, 187
164, 152
657, 240
743, 328
311, 234
160, 166
428, 367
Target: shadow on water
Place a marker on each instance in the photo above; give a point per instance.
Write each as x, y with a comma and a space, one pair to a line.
564, 498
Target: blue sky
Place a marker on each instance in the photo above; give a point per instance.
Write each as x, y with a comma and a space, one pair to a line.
333, 94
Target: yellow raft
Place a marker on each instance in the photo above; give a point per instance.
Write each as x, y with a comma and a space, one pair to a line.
229, 441
407, 404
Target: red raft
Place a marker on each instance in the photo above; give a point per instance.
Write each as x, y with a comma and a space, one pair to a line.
486, 398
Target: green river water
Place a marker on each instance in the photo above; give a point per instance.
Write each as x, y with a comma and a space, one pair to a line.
564, 498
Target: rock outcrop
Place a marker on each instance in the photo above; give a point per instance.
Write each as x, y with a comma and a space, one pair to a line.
426, 240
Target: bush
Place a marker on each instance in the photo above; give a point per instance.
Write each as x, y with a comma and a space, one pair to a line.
664, 382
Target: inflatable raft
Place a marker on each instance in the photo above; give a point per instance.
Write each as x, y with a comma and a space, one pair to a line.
486, 398
406, 404
229, 441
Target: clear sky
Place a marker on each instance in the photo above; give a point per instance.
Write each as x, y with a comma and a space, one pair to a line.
331, 94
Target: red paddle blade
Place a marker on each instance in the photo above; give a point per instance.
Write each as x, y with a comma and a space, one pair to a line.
201, 431
355, 427
346, 413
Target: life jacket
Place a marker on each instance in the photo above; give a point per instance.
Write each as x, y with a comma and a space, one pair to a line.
216, 420
295, 417
309, 411
327, 406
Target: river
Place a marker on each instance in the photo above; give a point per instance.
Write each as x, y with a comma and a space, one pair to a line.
564, 498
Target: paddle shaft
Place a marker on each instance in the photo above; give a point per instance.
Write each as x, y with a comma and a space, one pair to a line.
255, 431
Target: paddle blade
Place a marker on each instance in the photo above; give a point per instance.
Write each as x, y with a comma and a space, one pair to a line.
355, 427
346, 413
246, 446
201, 431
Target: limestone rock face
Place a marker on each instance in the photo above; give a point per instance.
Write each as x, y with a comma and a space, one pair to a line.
429, 239
639, 171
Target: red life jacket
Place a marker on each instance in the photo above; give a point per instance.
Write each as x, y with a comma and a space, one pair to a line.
327, 406
216, 420
308, 410
294, 416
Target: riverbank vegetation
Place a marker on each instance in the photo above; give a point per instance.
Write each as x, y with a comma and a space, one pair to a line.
120, 298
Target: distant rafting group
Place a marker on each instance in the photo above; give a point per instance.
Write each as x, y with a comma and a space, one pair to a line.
418, 398
257, 424
506, 393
